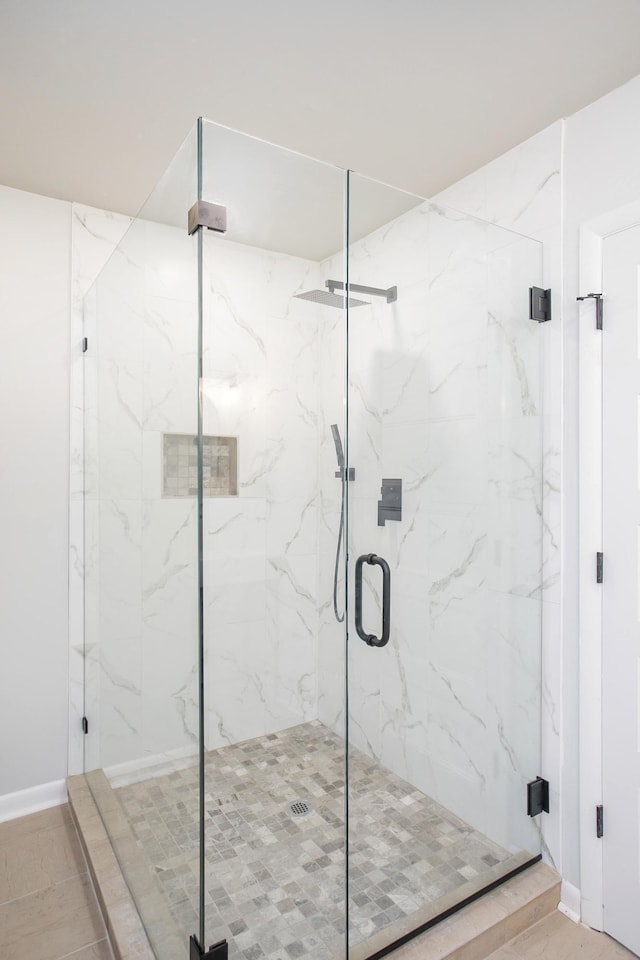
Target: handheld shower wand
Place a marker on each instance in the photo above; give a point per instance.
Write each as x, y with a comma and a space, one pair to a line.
338, 444
341, 474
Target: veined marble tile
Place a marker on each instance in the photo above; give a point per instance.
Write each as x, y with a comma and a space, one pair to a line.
515, 341
515, 506
120, 570
523, 186
169, 259
170, 394
238, 664
94, 236
292, 526
513, 709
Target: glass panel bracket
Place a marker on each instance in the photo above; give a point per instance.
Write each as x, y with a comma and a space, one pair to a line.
537, 797
213, 216
217, 951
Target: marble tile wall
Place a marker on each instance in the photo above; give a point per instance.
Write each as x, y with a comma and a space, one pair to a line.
94, 235
445, 392
261, 384
522, 190
138, 382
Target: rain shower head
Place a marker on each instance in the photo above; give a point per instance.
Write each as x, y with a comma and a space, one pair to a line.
330, 299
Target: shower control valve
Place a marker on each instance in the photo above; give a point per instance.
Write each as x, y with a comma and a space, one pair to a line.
390, 506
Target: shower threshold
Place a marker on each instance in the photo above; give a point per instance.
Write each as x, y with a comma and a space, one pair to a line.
274, 879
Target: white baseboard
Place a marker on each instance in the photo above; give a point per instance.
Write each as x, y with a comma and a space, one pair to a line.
569, 901
145, 768
23, 802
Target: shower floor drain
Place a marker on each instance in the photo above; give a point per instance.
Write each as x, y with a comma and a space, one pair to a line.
300, 808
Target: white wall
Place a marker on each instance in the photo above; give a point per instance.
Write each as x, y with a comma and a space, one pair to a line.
34, 488
602, 172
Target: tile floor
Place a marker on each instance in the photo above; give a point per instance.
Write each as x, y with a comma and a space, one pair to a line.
48, 911
48, 908
275, 882
557, 938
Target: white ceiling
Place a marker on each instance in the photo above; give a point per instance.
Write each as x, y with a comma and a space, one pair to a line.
96, 96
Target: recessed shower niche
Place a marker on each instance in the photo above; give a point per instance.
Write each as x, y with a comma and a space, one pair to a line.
225, 675
180, 466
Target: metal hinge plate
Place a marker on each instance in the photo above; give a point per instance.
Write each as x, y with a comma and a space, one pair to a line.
537, 797
599, 821
599, 567
599, 307
217, 951
539, 304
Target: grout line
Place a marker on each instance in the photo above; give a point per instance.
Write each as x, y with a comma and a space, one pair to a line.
49, 886
85, 947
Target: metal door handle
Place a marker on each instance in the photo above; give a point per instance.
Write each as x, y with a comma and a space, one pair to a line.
370, 638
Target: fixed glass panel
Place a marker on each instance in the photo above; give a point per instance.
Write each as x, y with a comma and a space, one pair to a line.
275, 762
141, 560
445, 441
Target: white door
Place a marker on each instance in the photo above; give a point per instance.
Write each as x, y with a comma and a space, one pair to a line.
621, 587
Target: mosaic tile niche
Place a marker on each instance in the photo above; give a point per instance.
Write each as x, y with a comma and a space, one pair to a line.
180, 466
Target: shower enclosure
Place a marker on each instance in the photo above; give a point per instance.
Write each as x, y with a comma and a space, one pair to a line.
313, 555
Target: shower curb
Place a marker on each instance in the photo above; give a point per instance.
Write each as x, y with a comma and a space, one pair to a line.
476, 931
125, 930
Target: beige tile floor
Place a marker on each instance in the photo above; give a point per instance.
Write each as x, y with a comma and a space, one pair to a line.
48, 908
557, 938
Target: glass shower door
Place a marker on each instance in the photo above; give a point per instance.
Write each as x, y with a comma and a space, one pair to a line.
445, 534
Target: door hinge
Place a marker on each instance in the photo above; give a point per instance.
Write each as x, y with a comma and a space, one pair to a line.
85, 344
537, 797
599, 822
85, 725
599, 567
539, 304
217, 951
599, 308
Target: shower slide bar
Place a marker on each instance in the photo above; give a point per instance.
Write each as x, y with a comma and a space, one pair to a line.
370, 638
390, 294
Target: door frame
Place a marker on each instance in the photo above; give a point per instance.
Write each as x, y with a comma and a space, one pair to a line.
593, 233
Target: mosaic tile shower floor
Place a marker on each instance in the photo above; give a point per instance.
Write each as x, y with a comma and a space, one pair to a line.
275, 882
